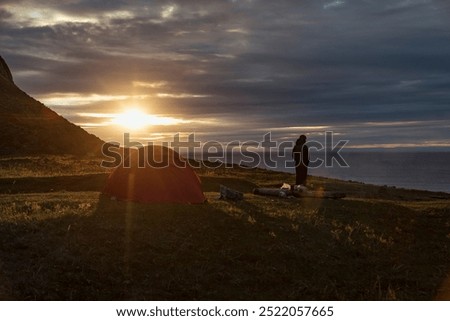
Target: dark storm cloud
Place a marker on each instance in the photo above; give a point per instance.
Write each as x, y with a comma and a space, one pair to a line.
282, 64
5, 14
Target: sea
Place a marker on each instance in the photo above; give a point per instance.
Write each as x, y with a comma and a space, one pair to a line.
412, 170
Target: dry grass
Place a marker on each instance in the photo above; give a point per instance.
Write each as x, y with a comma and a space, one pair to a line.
48, 165
67, 242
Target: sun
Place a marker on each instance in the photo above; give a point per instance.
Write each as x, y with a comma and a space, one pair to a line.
132, 119
136, 119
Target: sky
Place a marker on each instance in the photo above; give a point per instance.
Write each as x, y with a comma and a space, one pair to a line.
374, 72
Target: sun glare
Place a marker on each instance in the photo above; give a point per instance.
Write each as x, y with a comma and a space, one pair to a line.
135, 119
131, 119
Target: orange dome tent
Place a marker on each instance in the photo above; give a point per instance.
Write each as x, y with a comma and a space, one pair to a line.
155, 174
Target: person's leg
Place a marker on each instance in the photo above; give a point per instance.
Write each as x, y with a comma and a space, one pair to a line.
302, 174
298, 175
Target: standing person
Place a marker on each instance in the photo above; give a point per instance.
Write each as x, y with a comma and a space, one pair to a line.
300, 154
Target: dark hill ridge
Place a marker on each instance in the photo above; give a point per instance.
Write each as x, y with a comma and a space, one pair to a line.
4, 70
27, 127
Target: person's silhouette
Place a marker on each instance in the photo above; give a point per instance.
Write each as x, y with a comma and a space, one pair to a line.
300, 154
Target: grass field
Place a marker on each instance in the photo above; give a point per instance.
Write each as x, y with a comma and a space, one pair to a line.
62, 240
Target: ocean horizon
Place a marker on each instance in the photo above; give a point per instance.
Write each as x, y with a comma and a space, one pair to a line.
403, 169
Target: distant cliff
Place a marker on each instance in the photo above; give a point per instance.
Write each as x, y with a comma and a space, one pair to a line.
27, 127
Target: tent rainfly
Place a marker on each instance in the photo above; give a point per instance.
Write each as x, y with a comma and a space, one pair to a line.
155, 174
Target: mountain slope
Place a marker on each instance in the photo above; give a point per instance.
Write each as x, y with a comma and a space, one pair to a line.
27, 127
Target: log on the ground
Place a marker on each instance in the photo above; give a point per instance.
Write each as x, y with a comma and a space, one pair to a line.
285, 193
227, 193
272, 192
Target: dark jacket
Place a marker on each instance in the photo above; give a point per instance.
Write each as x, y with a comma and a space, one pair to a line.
300, 154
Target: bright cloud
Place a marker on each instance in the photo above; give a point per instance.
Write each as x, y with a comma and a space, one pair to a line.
74, 99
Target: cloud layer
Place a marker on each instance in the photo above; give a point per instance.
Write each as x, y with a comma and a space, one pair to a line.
375, 72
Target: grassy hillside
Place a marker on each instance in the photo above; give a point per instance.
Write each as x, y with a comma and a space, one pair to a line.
62, 240
28, 127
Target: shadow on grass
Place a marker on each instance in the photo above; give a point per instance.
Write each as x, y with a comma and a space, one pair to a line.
96, 182
322, 250
132, 251
73, 183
